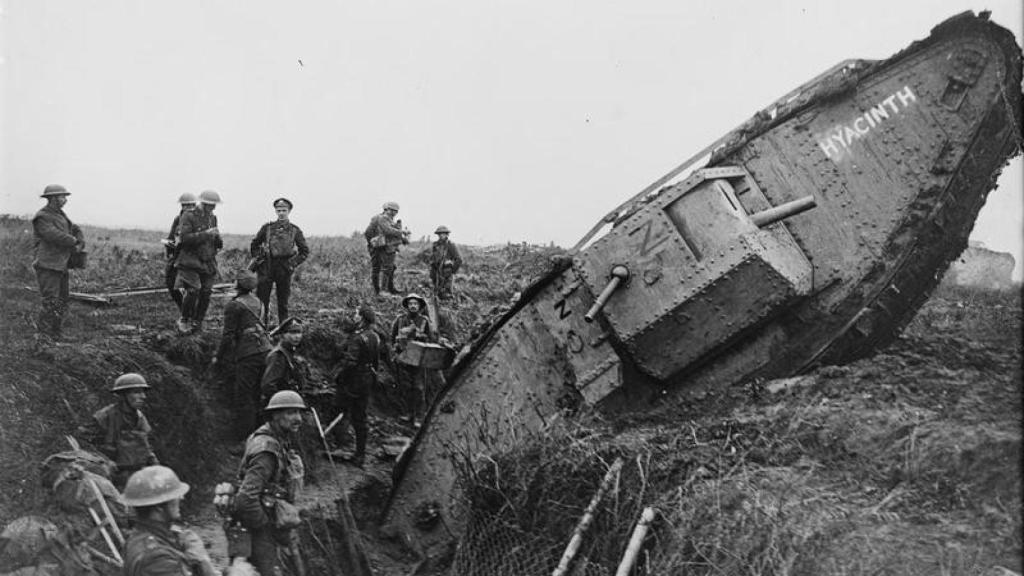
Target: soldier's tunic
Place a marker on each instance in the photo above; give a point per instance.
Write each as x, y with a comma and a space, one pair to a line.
122, 434
355, 381
55, 239
153, 549
286, 249
171, 254
270, 468
382, 258
197, 261
445, 261
245, 343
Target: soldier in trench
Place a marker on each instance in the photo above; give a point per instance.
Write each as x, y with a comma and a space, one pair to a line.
121, 431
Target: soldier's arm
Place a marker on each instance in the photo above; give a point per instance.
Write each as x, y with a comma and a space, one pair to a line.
189, 232
96, 433
174, 227
144, 426
49, 231
218, 242
303, 248
456, 259
256, 476
229, 336
256, 246
275, 373
390, 229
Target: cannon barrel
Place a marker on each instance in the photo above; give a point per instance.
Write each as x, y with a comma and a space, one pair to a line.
782, 211
619, 273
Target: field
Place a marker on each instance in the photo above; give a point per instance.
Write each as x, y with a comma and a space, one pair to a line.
907, 462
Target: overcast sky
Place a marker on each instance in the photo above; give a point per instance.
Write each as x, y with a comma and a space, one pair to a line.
505, 120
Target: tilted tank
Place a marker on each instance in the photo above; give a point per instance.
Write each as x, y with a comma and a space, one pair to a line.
812, 235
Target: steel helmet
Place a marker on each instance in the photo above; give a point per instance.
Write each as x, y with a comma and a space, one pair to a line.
129, 381
247, 280
442, 229
209, 197
153, 485
187, 198
55, 190
391, 206
284, 400
414, 296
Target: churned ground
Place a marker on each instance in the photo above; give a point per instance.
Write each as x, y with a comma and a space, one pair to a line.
907, 462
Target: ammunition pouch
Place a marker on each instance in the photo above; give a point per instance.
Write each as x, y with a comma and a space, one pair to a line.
378, 241
283, 514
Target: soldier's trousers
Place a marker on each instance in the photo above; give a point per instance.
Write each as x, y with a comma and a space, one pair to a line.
265, 557
54, 290
442, 282
410, 385
278, 274
354, 407
198, 287
382, 269
246, 394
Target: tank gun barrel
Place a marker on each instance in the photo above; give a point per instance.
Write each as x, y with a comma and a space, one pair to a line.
619, 273
783, 211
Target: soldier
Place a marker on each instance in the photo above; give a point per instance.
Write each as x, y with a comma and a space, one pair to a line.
283, 371
355, 379
56, 239
269, 478
121, 431
197, 261
156, 546
445, 261
279, 248
383, 237
187, 202
245, 344
414, 325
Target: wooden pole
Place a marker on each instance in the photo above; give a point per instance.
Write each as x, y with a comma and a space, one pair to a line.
588, 516
106, 536
106, 510
636, 542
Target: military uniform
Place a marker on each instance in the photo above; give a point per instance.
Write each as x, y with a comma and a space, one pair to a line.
354, 382
122, 433
154, 550
382, 258
445, 261
171, 253
244, 341
270, 469
284, 248
197, 262
55, 240
408, 327
283, 371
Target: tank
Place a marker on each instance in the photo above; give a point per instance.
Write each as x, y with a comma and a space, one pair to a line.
810, 234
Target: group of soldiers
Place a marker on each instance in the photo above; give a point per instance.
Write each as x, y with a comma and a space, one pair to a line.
266, 378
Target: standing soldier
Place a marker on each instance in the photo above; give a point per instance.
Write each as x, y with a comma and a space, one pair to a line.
279, 248
283, 371
197, 261
444, 263
245, 344
187, 202
121, 431
355, 379
56, 239
383, 237
156, 547
414, 325
269, 478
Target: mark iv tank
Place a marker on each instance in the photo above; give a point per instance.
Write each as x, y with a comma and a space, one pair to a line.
812, 235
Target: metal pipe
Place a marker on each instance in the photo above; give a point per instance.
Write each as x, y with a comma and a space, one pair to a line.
783, 211
619, 273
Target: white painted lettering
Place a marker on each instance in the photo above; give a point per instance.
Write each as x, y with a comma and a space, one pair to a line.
906, 96
837, 140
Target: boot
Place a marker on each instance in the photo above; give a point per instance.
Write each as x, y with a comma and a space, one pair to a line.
375, 280
202, 304
391, 283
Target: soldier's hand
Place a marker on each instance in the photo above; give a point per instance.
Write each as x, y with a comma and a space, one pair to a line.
283, 537
213, 231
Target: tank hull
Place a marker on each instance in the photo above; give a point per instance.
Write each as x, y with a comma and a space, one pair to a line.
899, 156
